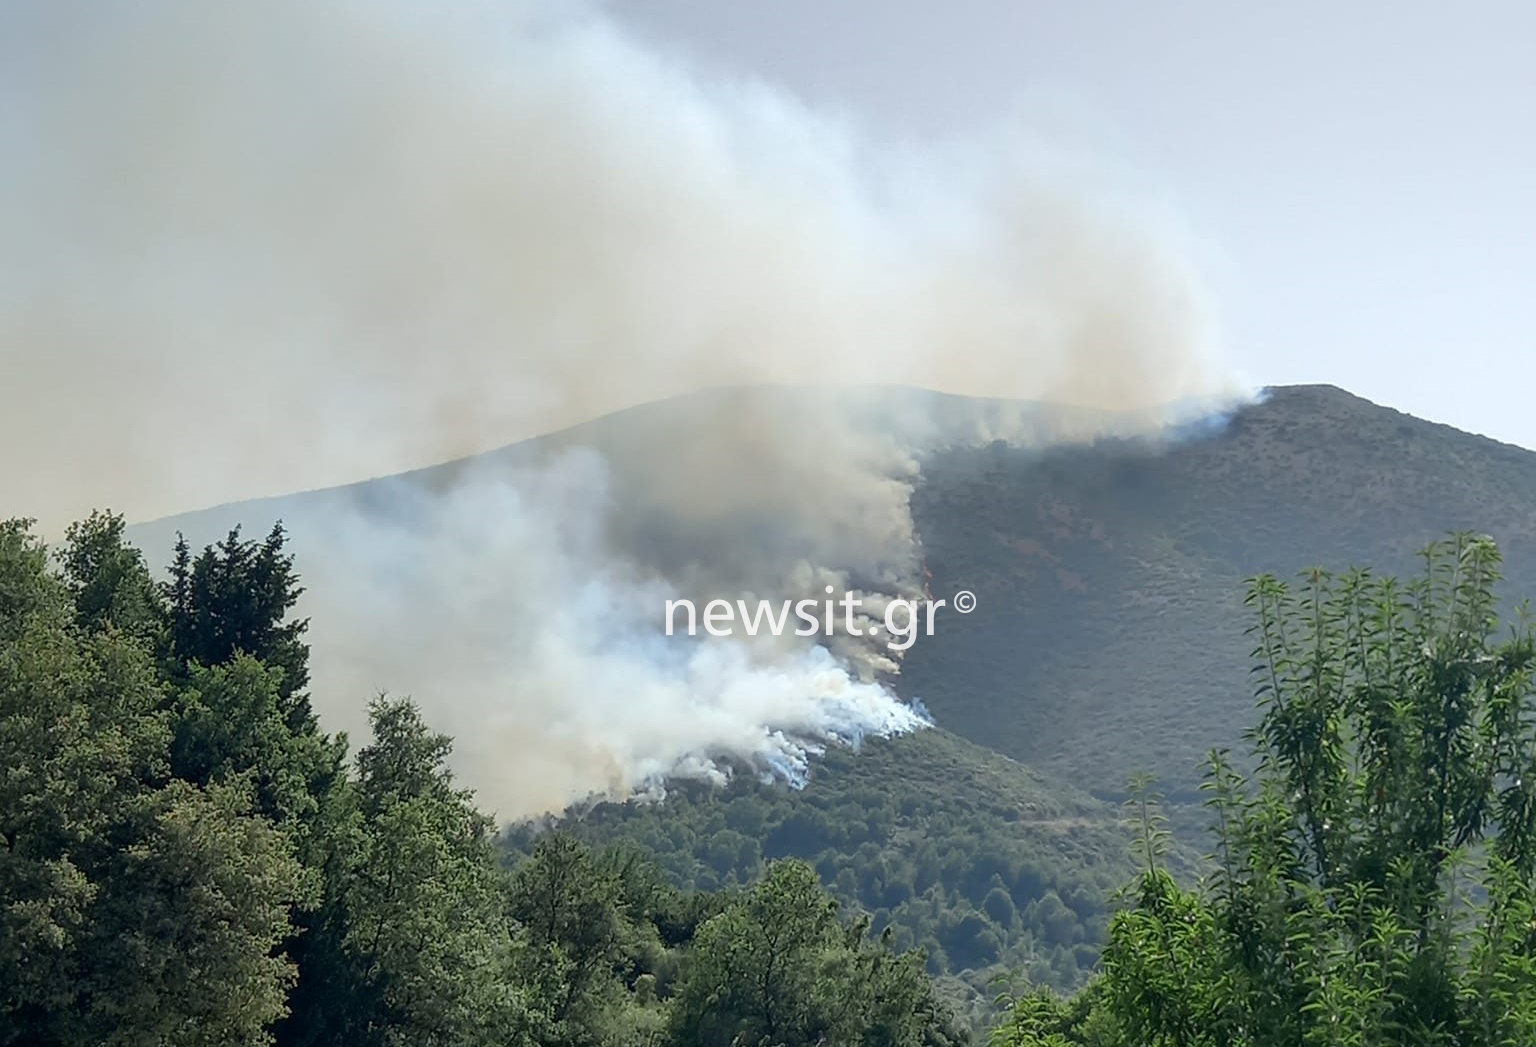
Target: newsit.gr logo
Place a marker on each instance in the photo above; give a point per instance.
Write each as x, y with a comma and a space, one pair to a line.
903, 618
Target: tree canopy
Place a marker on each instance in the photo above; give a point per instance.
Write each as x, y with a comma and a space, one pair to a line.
1372, 876
188, 859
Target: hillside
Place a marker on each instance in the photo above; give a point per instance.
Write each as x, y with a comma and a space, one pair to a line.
1109, 631
988, 865
1108, 639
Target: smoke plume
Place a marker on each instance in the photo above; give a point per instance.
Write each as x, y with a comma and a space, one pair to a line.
251, 249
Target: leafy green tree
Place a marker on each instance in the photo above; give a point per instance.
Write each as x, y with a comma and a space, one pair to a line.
237, 664
1396, 753
230, 721
573, 912
133, 908
187, 860
181, 945
1373, 878
420, 903
778, 967
754, 974
109, 581
1041, 1018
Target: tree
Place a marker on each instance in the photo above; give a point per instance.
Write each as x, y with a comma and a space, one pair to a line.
230, 722
1041, 1018
1373, 878
133, 908
181, 946
573, 912
418, 907
235, 597
109, 582
236, 664
778, 967
185, 860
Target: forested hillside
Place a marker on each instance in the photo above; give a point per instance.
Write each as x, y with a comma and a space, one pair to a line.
1107, 641
189, 859
1108, 573
992, 870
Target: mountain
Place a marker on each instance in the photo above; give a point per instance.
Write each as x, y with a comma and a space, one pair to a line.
1109, 631
1108, 638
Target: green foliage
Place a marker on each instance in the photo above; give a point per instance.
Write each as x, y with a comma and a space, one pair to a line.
423, 898
109, 582
1041, 1018
133, 907
575, 913
1372, 883
182, 931
979, 862
187, 859
233, 598
777, 967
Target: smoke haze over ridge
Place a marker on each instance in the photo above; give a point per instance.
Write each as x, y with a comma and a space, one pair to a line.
257, 249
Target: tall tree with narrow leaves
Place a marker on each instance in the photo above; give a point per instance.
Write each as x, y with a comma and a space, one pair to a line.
236, 597
1373, 877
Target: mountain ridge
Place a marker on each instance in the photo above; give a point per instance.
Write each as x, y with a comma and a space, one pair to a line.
1118, 539
1145, 551
1108, 639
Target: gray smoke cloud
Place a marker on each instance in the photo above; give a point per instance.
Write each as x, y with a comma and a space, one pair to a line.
251, 249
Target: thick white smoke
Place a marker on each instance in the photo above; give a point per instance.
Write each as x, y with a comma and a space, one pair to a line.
501, 603
253, 248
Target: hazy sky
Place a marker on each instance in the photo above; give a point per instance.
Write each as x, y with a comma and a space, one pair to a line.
1361, 177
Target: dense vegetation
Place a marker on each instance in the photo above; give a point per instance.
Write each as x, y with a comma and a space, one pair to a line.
1374, 882
189, 860
986, 866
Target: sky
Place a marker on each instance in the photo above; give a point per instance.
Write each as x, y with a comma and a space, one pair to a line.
1355, 180
378, 224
